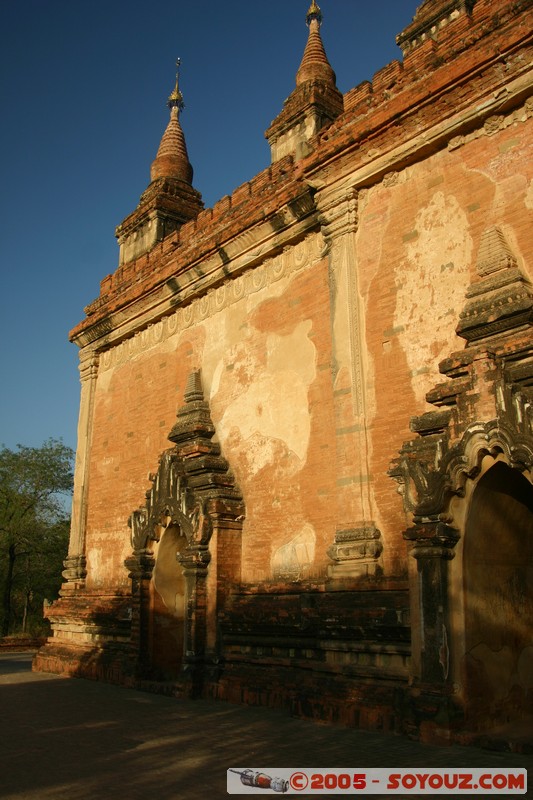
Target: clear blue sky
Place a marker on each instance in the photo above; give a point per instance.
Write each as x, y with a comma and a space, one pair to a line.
83, 90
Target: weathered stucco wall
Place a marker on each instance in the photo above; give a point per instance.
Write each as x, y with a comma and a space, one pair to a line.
318, 302
264, 348
417, 241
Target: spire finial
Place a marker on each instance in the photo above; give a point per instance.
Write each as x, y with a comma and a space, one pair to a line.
175, 99
314, 13
315, 65
172, 160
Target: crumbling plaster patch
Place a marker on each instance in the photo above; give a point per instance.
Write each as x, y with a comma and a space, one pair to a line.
431, 283
293, 560
529, 196
274, 405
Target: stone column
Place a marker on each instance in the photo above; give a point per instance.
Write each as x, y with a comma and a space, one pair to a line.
434, 709
141, 566
357, 545
433, 549
195, 561
75, 563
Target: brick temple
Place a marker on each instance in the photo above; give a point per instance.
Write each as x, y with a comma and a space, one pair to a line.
305, 444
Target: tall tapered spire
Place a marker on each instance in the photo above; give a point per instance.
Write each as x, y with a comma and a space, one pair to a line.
170, 199
172, 160
315, 64
314, 103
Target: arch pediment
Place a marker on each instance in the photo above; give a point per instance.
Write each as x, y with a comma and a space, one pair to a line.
170, 501
193, 479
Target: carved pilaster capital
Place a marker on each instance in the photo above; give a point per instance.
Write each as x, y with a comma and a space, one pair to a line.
433, 540
88, 366
140, 565
338, 212
194, 560
355, 552
75, 568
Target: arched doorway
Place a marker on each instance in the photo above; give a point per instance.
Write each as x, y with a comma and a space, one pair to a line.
498, 587
167, 606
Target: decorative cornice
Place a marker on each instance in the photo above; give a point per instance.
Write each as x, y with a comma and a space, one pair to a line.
364, 158
493, 124
202, 256
291, 261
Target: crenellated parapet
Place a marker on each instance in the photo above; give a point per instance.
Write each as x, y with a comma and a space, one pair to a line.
421, 103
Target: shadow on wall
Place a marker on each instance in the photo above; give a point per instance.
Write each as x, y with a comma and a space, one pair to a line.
498, 586
167, 608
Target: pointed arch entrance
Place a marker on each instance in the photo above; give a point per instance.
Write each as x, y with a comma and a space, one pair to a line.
167, 606
498, 595
186, 551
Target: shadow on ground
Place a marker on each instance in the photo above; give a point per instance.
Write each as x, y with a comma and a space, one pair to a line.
66, 737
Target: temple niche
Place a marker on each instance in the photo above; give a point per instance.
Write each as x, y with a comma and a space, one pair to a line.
305, 444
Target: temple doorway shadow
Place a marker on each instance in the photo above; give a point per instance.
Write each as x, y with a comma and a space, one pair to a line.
167, 607
498, 581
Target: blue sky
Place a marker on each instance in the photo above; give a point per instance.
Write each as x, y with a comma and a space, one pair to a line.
83, 88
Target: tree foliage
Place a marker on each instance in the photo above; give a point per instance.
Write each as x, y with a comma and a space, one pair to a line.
34, 483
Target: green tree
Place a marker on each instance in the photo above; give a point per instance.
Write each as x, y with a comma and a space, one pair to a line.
34, 482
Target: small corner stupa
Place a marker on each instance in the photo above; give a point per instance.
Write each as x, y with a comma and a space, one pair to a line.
315, 102
170, 199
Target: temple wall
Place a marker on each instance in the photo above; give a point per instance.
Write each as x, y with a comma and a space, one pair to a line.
267, 368
418, 235
322, 305
265, 359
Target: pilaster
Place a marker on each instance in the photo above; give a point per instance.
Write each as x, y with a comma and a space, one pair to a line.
357, 545
433, 547
75, 570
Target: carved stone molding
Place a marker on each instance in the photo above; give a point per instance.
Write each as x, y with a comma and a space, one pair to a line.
88, 366
432, 468
434, 540
355, 552
338, 213
494, 124
75, 569
170, 501
289, 262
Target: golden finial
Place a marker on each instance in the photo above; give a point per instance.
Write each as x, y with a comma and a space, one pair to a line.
175, 99
314, 13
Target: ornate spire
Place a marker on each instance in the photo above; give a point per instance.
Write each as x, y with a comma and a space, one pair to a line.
172, 160
314, 13
175, 99
313, 104
315, 64
170, 200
